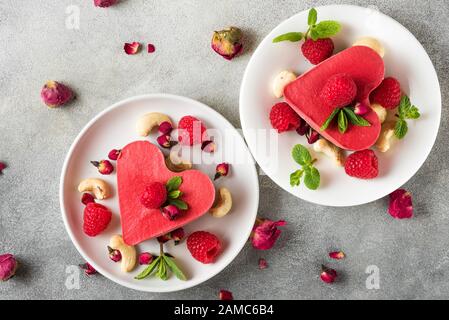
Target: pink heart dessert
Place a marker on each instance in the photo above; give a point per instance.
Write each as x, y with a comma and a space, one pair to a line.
141, 163
367, 70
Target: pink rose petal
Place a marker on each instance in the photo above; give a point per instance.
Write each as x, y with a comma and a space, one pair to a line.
151, 48
131, 48
265, 233
401, 205
263, 264
225, 295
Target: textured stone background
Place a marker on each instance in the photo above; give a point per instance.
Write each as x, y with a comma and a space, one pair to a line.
413, 256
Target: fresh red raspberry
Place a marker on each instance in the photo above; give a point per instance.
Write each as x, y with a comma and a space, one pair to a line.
283, 118
204, 246
388, 94
154, 195
339, 91
96, 219
317, 51
362, 165
191, 131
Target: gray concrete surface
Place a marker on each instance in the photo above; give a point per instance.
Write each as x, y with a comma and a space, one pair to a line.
413, 256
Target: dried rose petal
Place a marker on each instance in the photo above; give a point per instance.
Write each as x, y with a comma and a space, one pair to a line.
328, 275
88, 269
104, 3
8, 266
114, 154
165, 128
263, 264
87, 198
222, 170
151, 48
2, 167
265, 233
145, 258
312, 136
338, 255
177, 235
104, 166
114, 254
132, 48
225, 295
227, 42
55, 94
401, 205
303, 128
208, 146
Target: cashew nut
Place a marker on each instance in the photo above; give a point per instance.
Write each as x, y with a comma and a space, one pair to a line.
331, 151
175, 164
371, 43
98, 187
281, 81
380, 111
129, 255
386, 136
147, 122
223, 204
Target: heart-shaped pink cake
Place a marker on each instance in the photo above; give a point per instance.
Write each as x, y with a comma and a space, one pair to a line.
366, 68
141, 163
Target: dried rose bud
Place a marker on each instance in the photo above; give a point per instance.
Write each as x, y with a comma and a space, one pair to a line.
303, 128
225, 295
265, 233
87, 198
55, 94
171, 212
338, 255
131, 48
165, 141
165, 128
177, 235
8, 266
88, 269
104, 166
208, 146
151, 48
164, 238
104, 3
222, 170
312, 136
114, 254
328, 275
145, 258
114, 154
263, 264
361, 109
2, 167
401, 204
227, 42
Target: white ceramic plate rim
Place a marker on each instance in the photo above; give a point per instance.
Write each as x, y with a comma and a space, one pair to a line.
387, 190
172, 288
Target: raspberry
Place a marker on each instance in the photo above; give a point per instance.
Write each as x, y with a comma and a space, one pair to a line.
362, 165
191, 130
96, 219
204, 246
388, 94
87, 198
154, 195
283, 118
339, 91
317, 51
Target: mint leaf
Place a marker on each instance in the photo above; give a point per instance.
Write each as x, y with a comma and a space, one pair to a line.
356, 119
174, 183
413, 113
174, 268
325, 29
148, 270
179, 204
290, 36
301, 155
175, 194
313, 17
407, 110
162, 271
312, 178
401, 129
295, 178
329, 120
342, 122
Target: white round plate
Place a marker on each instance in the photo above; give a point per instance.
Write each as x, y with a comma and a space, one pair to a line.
405, 59
114, 128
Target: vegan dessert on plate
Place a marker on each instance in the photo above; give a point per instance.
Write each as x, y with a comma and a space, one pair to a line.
158, 195
345, 105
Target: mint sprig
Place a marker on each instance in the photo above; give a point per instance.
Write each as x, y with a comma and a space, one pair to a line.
174, 194
406, 111
162, 265
321, 30
311, 175
345, 116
